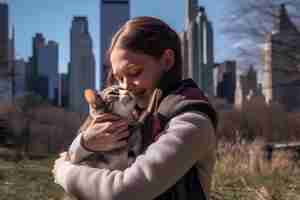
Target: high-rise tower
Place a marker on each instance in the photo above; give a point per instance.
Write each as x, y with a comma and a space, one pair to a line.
113, 14
198, 47
82, 64
4, 39
281, 78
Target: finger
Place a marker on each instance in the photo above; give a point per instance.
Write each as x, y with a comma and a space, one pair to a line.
99, 129
108, 144
121, 136
109, 127
116, 127
96, 130
112, 140
120, 131
105, 117
110, 147
107, 138
117, 145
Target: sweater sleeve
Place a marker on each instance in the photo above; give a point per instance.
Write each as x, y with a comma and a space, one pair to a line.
76, 151
188, 137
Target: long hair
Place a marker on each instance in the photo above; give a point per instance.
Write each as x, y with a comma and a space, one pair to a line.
150, 36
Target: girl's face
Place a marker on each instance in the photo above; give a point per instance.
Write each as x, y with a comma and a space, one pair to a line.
137, 72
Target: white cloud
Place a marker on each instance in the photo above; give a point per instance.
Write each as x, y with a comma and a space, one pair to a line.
241, 43
247, 43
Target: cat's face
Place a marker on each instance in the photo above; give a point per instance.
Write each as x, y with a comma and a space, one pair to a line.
125, 105
112, 99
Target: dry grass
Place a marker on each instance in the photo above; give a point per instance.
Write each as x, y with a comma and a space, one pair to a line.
242, 172
238, 175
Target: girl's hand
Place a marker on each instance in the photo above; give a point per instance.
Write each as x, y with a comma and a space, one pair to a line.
107, 132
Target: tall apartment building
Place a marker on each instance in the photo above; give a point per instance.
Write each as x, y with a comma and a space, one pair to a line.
4, 36
82, 64
226, 80
113, 14
281, 78
48, 68
198, 47
5, 62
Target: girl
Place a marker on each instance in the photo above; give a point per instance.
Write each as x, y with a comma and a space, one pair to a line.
145, 55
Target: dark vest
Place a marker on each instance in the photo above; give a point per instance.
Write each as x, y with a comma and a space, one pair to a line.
183, 96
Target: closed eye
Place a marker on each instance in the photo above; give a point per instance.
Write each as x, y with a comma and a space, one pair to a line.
127, 72
134, 70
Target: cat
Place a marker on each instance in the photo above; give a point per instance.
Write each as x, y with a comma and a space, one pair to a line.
122, 103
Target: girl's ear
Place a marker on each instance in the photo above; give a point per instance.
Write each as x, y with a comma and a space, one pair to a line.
168, 59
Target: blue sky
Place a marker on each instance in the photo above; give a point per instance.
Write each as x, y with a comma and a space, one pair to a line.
53, 19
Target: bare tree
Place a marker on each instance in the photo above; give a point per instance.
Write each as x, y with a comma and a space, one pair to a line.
250, 21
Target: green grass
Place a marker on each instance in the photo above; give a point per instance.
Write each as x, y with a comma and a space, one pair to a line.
32, 180
28, 180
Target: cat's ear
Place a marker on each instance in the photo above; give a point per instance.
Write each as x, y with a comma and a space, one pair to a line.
93, 98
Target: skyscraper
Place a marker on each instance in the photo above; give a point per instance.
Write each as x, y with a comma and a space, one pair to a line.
63, 90
11, 49
48, 67
113, 14
4, 32
12, 63
246, 88
42, 72
190, 11
5, 78
20, 81
82, 64
226, 80
38, 42
281, 78
198, 47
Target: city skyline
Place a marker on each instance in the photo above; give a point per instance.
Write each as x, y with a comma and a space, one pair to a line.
32, 17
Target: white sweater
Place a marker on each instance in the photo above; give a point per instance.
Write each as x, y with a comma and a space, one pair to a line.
189, 139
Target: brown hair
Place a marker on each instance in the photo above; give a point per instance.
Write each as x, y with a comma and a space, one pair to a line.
151, 36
